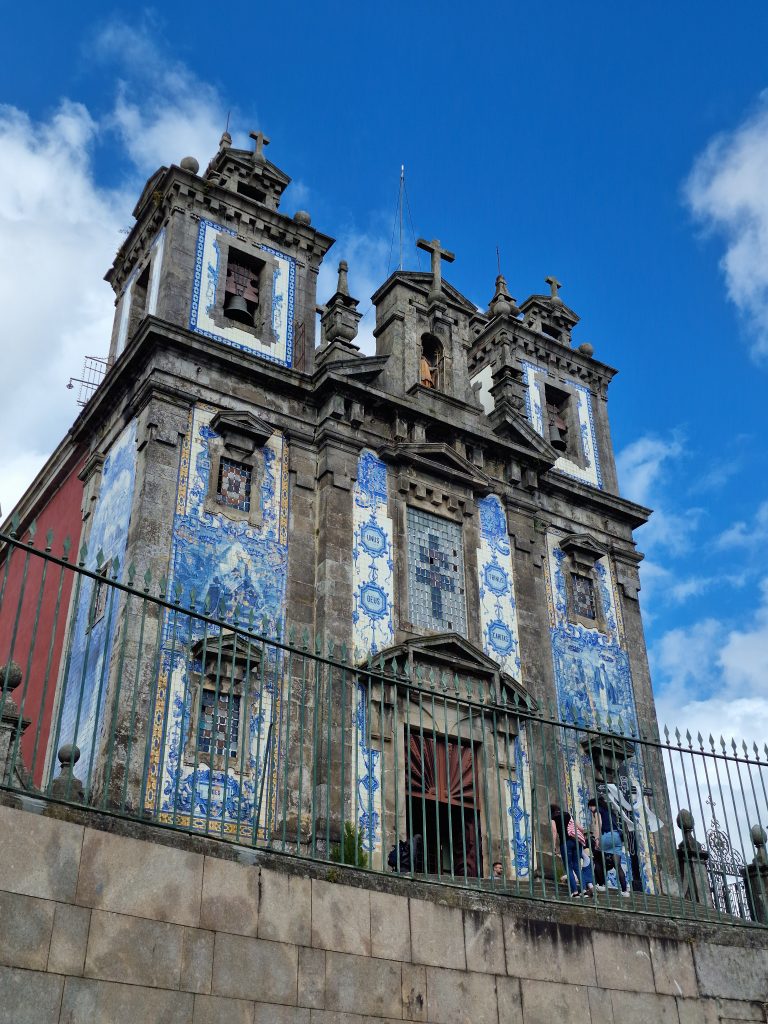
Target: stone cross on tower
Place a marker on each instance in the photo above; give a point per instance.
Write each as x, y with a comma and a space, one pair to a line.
437, 254
555, 286
261, 141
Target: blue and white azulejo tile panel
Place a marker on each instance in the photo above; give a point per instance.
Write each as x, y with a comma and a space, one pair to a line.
372, 628
372, 560
594, 690
366, 778
498, 608
93, 634
125, 301
519, 796
590, 473
209, 265
156, 256
228, 563
591, 667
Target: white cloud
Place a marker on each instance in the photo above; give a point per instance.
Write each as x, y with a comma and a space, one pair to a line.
642, 468
163, 112
746, 535
726, 191
61, 228
59, 235
641, 464
712, 676
367, 256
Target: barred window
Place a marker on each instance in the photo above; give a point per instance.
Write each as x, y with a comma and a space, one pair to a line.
234, 485
583, 596
219, 723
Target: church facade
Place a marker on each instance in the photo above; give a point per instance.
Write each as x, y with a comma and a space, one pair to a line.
446, 506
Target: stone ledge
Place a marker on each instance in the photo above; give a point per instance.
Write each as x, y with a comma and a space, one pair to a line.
636, 922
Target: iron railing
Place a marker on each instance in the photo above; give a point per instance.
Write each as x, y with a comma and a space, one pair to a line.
94, 371
166, 706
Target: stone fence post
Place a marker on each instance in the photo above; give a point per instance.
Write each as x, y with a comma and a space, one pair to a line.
692, 858
756, 877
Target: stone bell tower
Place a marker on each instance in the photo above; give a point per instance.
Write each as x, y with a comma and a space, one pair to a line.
214, 254
186, 441
423, 331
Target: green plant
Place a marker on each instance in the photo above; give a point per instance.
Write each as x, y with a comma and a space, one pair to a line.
350, 851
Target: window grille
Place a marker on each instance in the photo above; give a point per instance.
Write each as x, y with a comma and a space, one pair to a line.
583, 596
219, 724
234, 485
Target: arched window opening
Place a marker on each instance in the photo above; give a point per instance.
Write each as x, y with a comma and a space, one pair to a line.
431, 372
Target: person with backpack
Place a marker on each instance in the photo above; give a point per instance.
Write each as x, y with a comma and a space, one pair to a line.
571, 841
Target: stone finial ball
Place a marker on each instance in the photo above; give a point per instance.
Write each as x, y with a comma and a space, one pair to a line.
69, 754
189, 163
10, 676
586, 349
759, 835
685, 820
302, 217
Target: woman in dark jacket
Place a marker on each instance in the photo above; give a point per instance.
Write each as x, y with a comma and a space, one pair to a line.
570, 850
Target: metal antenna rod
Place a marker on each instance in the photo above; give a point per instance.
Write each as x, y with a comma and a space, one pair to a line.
227, 127
498, 260
402, 186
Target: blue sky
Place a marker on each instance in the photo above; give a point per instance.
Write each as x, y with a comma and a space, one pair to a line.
623, 150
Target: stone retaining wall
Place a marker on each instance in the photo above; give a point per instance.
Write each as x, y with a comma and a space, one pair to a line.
97, 925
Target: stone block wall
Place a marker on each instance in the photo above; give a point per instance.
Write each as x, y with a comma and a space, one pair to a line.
99, 925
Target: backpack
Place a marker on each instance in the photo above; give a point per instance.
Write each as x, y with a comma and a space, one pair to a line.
575, 832
399, 858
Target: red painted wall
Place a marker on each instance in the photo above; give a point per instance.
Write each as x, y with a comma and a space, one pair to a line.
31, 629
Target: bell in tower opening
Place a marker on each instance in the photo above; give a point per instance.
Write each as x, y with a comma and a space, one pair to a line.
242, 288
557, 405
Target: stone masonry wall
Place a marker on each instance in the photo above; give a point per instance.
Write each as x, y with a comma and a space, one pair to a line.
97, 925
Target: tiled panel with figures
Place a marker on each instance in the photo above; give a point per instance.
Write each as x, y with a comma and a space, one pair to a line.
436, 598
208, 268
226, 562
594, 689
97, 608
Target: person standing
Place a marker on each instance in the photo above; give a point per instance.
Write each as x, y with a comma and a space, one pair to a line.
607, 843
569, 838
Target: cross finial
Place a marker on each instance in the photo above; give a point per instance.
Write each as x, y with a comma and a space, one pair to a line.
554, 286
437, 253
261, 141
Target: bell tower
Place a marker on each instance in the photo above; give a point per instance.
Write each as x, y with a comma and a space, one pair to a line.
423, 330
213, 253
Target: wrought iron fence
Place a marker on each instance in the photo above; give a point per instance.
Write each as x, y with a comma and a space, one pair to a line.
171, 707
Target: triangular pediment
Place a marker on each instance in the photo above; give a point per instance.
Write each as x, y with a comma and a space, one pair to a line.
243, 159
226, 645
422, 282
439, 459
583, 549
242, 432
555, 308
362, 368
439, 654
512, 427
152, 183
